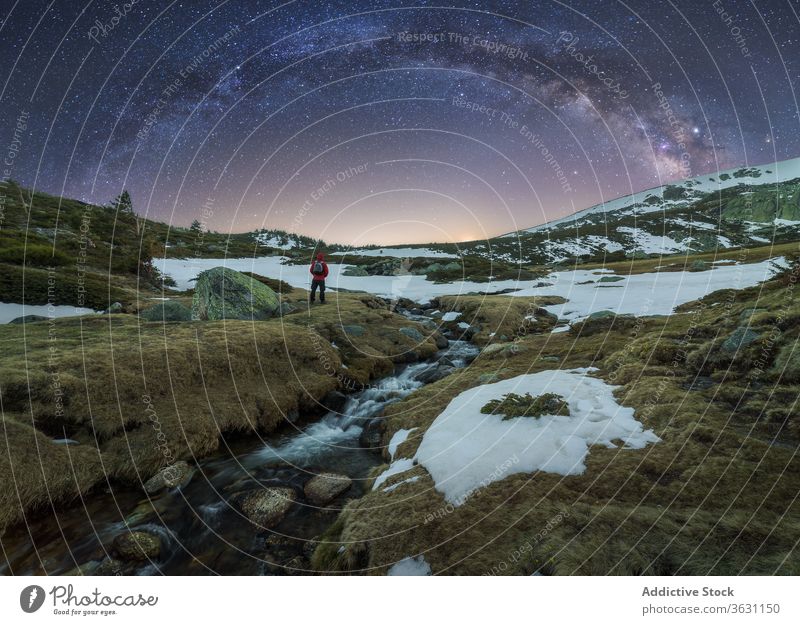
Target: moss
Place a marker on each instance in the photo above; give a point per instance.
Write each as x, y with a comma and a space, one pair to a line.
513, 405
222, 293
167, 311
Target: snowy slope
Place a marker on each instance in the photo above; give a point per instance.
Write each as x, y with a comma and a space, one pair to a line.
761, 174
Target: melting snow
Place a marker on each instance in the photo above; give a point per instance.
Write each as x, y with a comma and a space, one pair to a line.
655, 293
410, 566
464, 449
398, 438
398, 466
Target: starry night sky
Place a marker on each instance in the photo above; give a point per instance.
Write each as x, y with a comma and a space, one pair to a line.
361, 122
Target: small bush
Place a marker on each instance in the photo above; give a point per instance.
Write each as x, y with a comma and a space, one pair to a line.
513, 405
167, 311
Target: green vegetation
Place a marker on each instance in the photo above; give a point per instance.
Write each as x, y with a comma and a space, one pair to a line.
513, 405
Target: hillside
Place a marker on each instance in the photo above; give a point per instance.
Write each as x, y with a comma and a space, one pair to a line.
60, 251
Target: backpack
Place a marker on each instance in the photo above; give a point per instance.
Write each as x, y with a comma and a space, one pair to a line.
318, 269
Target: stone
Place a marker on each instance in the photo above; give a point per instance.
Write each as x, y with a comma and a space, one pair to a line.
441, 341
267, 507
413, 334
114, 309
28, 319
372, 434
355, 270
168, 477
334, 401
222, 293
137, 546
739, 338
287, 309
325, 487
167, 311
503, 349
109, 566
434, 373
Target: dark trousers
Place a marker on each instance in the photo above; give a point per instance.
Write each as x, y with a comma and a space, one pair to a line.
318, 284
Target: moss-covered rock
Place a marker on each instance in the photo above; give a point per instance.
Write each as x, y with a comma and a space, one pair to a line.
167, 311
223, 293
137, 546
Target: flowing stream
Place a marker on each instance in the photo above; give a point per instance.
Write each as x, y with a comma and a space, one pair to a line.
201, 531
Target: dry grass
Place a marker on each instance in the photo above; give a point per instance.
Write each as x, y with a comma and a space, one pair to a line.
145, 394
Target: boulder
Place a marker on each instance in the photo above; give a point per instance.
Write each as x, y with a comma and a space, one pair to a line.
739, 338
267, 507
325, 487
441, 341
603, 321
505, 350
222, 293
114, 309
167, 311
372, 434
413, 334
168, 477
434, 373
137, 546
334, 401
28, 319
287, 309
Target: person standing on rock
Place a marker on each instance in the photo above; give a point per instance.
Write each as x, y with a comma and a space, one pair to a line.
319, 271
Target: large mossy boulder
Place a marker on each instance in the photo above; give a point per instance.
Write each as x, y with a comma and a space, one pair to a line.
222, 293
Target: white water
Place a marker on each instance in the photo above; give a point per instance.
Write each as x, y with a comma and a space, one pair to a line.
338, 431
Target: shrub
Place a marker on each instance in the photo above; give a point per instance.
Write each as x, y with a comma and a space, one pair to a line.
167, 311
513, 405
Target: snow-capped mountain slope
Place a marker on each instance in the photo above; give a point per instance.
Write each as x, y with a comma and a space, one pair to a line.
741, 207
679, 194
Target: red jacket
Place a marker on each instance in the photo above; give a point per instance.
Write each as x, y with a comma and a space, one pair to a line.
317, 277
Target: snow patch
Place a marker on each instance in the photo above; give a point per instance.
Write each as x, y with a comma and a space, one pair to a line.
398, 466
410, 566
398, 438
465, 449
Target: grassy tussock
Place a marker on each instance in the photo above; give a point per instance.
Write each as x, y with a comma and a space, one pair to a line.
511, 317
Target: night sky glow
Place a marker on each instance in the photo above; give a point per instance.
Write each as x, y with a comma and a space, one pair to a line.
389, 122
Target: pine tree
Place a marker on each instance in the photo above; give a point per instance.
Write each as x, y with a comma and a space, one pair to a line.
123, 203
196, 227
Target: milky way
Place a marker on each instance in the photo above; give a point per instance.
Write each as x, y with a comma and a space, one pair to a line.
389, 122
